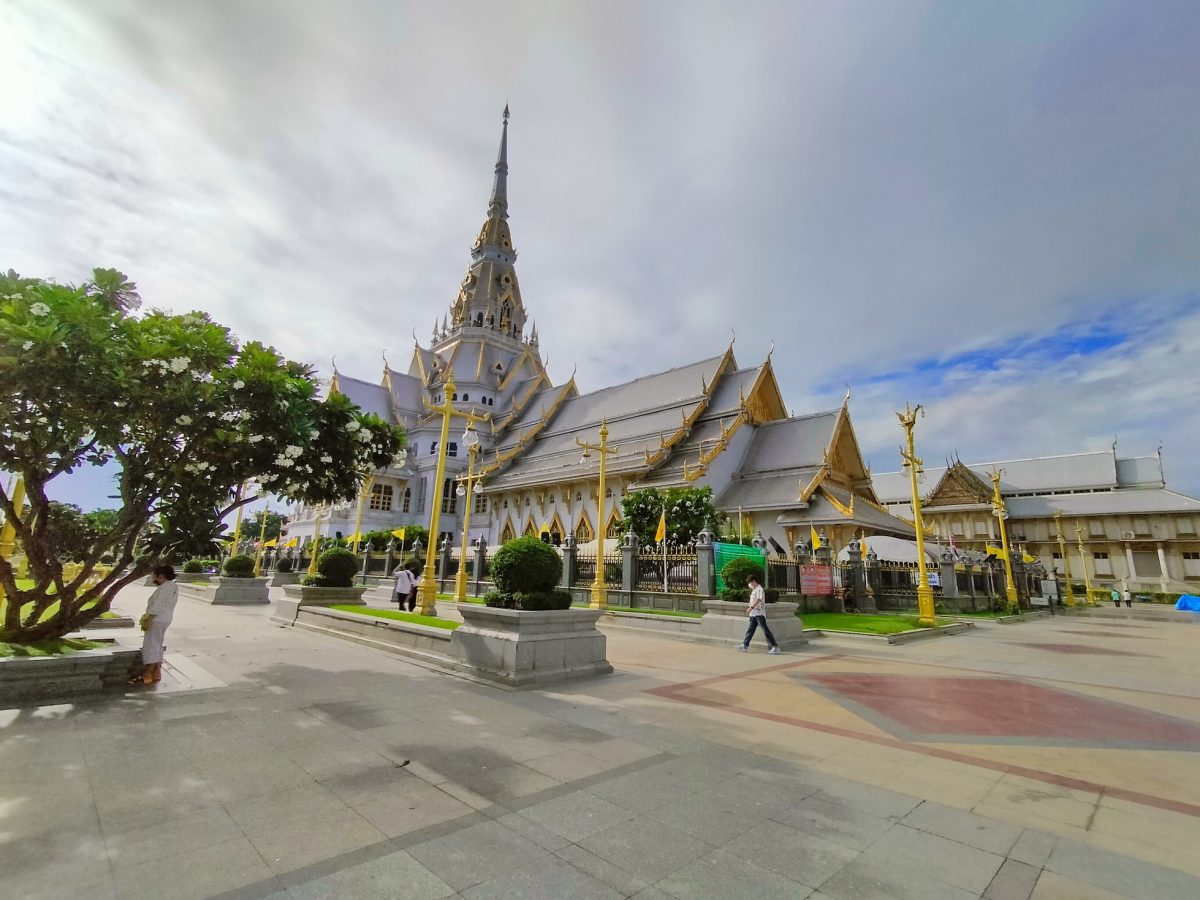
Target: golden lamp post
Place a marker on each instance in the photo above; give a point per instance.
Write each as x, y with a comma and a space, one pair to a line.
1087, 579
1062, 551
237, 522
427, 596
8, 533
262, 536
467, 489
316, 541
925, 608
1000, 511
599, 590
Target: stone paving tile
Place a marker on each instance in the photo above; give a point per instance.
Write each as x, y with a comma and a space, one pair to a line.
700, 816
754, 795
620, 752
834, 822
874, 800
1059, 887
723, 875
306, 803
875, 878
640, 791
645, 848
394, 875
476, 854
531, 831
569, 765
195, 874
578, 815
956, 825
59, 886
1014, 881
75, 855
419, 806
692, 775
1033, 848
211, 826
297, 844
791, 853
555, 879
1122, 874
372, 786
617, 878
948, 861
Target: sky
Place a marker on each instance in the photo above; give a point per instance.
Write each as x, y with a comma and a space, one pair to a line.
989, 209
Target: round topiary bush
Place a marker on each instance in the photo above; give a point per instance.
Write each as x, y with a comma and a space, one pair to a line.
284, 565
194, 565
337, 567
738, 571
526, 566
239, 567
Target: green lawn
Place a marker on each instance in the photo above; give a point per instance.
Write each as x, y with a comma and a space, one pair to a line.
414, 618
870, 624
53, 647
653, 612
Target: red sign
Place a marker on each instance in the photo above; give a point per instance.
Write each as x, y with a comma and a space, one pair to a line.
816, 580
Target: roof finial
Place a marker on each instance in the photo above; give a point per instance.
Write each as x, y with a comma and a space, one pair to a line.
498, 206
333, 363
383, 353
846, 399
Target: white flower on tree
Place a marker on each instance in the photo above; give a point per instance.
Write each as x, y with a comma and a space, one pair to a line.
184, 420
39, 309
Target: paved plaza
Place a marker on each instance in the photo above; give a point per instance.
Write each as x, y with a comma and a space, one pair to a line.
1048, 759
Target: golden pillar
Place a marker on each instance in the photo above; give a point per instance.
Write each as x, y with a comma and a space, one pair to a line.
1000, 511
599, 590
8, 533
427, 596
316, 541
467, 490
237, 522
1062, 551
1087, 579
925, 605
262, 536
362, 499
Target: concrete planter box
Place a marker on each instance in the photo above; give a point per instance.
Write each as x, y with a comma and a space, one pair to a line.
49, 679
279, 579
725, 623
224, 591
903, 637
297, 595
519, 648
191, 577
423, 642
119, 622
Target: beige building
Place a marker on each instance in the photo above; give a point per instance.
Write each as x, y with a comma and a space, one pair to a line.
1119, 522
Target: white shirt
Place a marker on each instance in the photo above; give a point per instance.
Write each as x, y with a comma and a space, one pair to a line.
758, 600
404, 582
162, 602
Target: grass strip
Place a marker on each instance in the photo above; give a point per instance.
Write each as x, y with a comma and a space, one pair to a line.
682, 613
52, 647
412, 618
865, 623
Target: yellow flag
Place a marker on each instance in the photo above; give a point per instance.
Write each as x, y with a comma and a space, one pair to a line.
864, 546
816, 538
294, 542
661, 534
995, 551
271, 543
399, 532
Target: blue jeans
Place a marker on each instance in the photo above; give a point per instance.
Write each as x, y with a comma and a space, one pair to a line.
755, 622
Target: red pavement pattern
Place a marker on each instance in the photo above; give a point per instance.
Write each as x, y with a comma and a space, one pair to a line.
1077, 648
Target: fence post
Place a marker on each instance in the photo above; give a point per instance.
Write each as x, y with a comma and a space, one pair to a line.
949, 576
759, 541
858, 586
389, 558
366, 563
705, 564
568, 569
445, 564
481, 546
629, 563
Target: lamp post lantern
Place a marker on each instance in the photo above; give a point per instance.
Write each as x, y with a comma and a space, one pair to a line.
1000, 511
925, 606
468, 490
1087, 579
602, 449
427, 596
1062, 551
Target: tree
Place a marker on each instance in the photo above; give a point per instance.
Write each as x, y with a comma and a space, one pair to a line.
254, 529
185, 411
689, 510
102, 519
72, 530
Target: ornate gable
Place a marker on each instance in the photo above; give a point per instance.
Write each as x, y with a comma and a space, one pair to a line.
959, 487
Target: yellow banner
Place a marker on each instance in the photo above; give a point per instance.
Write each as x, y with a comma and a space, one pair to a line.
816, 538
661, 534
399, 532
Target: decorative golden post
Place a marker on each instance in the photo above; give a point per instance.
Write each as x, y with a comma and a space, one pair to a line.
8, 533
925, 607
599, 590
362, 499
1062, 551
428, 592
1000, 511
262, 536
316, 541
467, 490
1087, 579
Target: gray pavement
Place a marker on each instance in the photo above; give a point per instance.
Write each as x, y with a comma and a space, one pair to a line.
286, 764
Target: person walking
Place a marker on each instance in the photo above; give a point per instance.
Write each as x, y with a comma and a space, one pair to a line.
1128, 597
159, 611
414, 570
1116, 598
404, 585
757, 611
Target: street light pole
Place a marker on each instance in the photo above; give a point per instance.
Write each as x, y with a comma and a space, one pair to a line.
1000, 511
316, 541
599, 590
362, 499
925, 605
1087, 579
1062, 551
262, 536
467, 492
427, 596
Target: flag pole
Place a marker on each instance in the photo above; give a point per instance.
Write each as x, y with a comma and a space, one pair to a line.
664, 543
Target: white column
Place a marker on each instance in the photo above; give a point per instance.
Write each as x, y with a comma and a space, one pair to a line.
1129, 562
1162, 564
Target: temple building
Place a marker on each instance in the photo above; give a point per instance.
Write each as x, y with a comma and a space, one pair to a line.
714, 422
1118, 519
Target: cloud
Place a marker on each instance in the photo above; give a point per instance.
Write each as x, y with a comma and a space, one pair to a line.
876, 189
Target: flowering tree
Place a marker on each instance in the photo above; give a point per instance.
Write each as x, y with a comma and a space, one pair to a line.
689, 510
186, 413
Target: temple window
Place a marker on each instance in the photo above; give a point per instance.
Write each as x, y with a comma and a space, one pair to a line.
381, 497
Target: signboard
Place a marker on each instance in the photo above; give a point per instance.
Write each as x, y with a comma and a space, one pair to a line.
816, 581
723, 553
935, 579
1039, 601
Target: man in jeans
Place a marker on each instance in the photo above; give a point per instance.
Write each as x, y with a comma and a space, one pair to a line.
757, 611
404, 585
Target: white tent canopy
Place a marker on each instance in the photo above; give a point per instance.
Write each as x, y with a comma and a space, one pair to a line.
894, 549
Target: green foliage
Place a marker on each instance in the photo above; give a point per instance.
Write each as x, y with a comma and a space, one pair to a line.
526, 565
193, 566
337, 568
771, 595
499, 600
739, 570
414, 618
688, 511
543, 600
284, 564
735, 595
239, 567
378, 540
414, 533
71, 530
253, 529
180, 407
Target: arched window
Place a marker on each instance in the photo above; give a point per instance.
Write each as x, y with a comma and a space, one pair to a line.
406, 501
507, 534
381, 497
583, 531
466, 398
454, 396
452, 448
449, 498
530, 529
478, 318
614, 526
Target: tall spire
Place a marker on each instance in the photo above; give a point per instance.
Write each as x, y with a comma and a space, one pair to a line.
499, 202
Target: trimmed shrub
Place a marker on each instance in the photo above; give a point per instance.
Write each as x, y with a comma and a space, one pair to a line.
284, 565
735, 595
194, 565
499, 600
543, 600
772, 595
241, 566
337, 568
737, 572
526, 566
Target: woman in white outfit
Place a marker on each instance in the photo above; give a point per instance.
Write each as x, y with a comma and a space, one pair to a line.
159, 612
